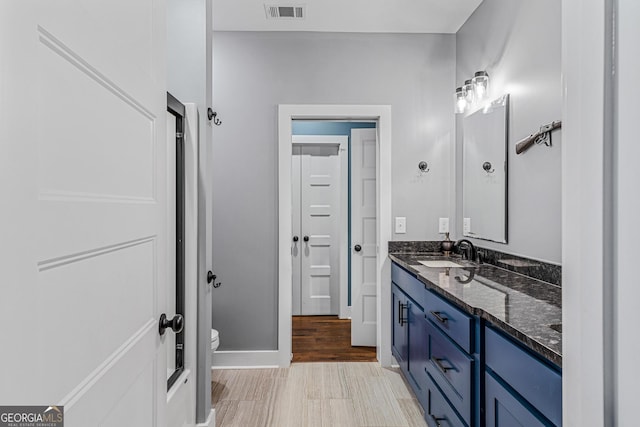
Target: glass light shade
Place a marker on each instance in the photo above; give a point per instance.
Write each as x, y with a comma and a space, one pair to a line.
469, 91
481, 85
461, 100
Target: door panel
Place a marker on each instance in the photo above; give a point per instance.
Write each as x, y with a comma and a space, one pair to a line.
363, 233
316, 210
84, 276
320, 221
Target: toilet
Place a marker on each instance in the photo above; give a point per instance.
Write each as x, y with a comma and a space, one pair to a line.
215, 341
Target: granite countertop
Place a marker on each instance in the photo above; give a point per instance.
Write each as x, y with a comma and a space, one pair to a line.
522, 307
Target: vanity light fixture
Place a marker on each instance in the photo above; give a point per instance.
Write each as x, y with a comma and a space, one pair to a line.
481, 85
473, 92
461, 100
469, 92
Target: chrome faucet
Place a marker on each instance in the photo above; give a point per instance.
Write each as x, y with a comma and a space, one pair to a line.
468, 252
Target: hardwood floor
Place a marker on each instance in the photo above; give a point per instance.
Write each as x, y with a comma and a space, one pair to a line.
350, 394
326, 339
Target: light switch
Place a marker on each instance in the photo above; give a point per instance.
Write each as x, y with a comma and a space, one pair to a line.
466, 225
401, 225
443, 225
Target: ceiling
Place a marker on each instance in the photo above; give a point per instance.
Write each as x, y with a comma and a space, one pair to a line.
360, 16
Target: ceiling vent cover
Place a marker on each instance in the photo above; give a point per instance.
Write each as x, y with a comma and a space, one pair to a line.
284, 12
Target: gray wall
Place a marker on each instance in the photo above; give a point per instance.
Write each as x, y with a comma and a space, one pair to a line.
518, 43
254, 72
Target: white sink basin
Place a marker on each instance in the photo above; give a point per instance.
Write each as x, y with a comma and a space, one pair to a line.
439, 264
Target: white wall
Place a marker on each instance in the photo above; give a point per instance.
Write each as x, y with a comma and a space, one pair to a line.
583, 178
257, 71
518, 43
626, 208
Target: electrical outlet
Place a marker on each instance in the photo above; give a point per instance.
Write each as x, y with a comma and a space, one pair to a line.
443, 225
401, 225
466, 226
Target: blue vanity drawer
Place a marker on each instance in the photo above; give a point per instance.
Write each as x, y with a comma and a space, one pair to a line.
538, 383
451, 320
438, 412
452, 369
408, 283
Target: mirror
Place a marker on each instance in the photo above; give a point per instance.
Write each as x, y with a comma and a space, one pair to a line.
484, 172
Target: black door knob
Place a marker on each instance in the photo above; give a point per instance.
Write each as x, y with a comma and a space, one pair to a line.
305, 238
176, 324
211, 277
295, 238
357, 248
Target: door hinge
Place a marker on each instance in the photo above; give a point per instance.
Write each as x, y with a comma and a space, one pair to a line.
179, 135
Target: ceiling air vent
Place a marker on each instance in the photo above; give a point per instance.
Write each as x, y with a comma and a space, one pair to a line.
284, 12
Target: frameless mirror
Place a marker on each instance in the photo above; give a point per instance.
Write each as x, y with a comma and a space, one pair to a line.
484, 172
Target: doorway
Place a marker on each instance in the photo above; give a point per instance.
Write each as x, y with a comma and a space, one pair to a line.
334, 240
380, 115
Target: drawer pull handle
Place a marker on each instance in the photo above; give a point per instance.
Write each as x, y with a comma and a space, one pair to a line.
444, 369
437, 420
401, 307
438, 316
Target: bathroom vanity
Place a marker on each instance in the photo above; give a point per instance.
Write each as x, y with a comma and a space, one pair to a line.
478, 344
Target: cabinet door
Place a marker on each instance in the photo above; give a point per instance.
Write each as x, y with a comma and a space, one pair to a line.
504, 410
417, 347
417, 338
399, 338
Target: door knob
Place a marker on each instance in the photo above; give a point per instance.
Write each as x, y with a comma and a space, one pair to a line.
357, 248
295, 238
176, 324
211, 277
305, 238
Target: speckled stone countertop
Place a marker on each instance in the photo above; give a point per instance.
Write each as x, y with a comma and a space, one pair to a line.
522, 307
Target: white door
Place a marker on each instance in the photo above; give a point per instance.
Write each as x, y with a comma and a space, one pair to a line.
82, 179
363, 237
317, 223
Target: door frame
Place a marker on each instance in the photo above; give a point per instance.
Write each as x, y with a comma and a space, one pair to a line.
341, 141
382, 115
177, 108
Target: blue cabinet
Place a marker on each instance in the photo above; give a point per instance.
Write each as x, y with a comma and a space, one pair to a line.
503, 409
535, 385
417, 348
439, 347
408, 341
437, 410
453, 370
399, 338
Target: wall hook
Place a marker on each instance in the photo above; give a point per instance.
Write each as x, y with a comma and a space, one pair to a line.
212, 115
423, 166
487, 167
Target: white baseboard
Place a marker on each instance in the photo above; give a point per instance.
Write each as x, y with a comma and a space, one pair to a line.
245, 359
211, 420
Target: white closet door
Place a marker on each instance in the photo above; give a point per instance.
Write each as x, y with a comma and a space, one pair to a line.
82, 178
363, 237
319, 222
320, 199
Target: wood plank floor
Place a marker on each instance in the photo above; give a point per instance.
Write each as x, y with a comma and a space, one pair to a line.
326, 339
350, 394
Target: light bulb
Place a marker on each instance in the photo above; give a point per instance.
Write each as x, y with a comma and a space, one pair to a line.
481, 85
469, 92
461, 100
